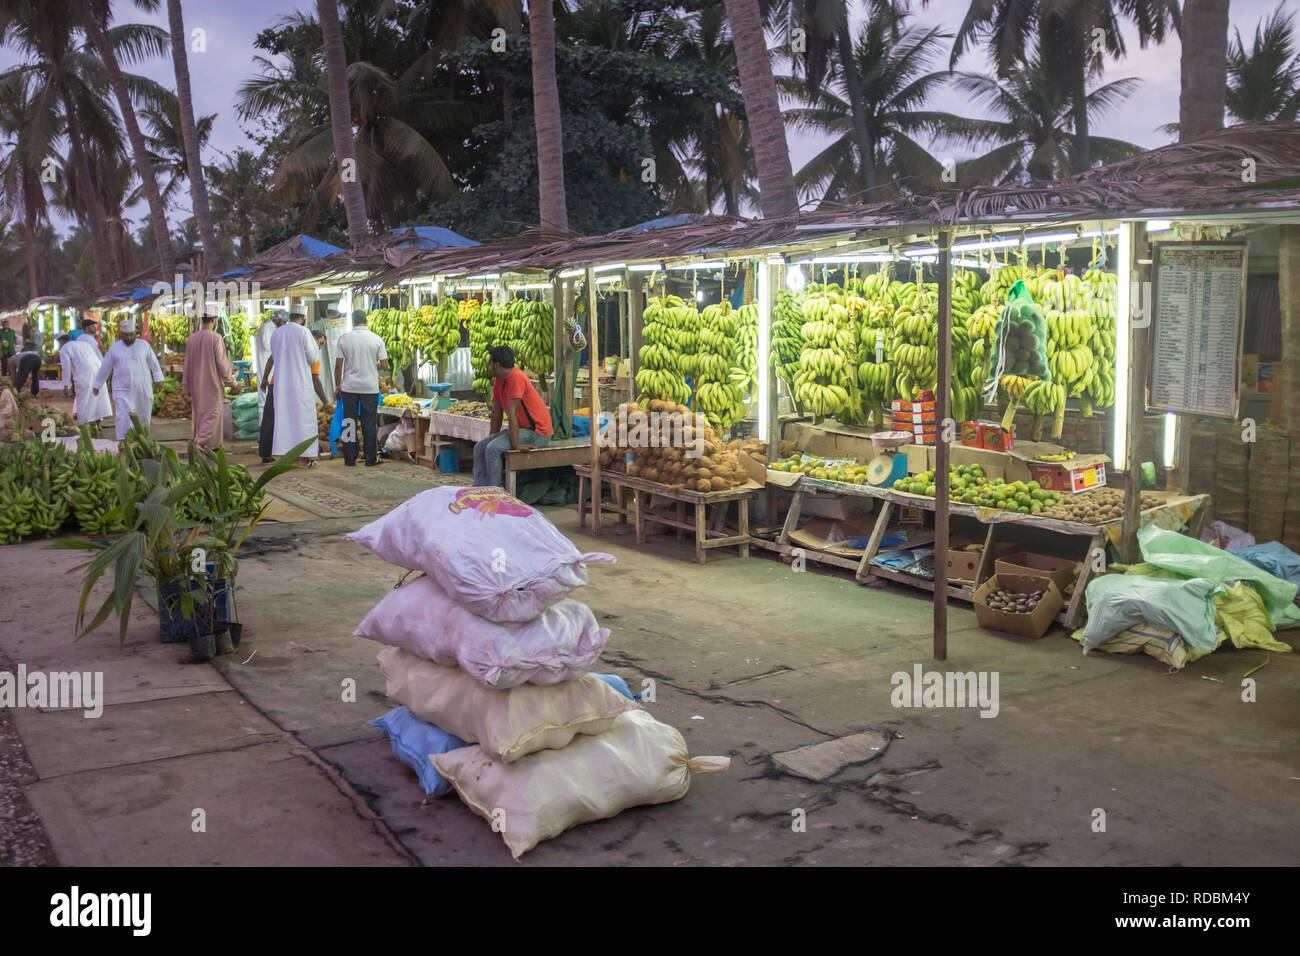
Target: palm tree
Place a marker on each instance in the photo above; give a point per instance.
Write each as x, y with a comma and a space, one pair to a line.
553, 213
762, 110
28, 137
1264, 83
167, 145
1033, 129
63, 78
829, 49
895, 87
1063, 31
238, 196
1203, 67
133, 41
336, 70
191, 138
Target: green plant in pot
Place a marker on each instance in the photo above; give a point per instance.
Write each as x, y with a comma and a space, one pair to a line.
230, 507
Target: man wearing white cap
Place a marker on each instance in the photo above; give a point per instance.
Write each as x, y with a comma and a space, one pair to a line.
293, 352
262, 348
134, 369
81, 361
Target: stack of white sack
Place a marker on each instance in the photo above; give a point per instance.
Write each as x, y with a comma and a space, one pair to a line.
488, 648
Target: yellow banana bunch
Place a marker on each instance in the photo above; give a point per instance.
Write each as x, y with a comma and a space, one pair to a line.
715, 396
659, 373
824, 383
1043, 398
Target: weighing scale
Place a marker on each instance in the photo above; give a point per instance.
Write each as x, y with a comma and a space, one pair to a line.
443, 392
890, 465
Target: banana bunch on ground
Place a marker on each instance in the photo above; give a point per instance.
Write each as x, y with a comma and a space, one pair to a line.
658, 376
93, 493
715, 396
530, 332
787, 342
824, 378
393, 326
435, 330
915, 352
16, 506
744, 372
483, 335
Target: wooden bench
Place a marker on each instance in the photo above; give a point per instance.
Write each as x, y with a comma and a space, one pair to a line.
707, 535
559, 453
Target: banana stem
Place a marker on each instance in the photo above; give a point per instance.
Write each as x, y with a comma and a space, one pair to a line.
1085, 406
1010, 416
1058, 420
1036, 428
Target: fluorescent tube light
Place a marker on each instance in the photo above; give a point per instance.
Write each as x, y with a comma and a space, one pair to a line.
646, 267
710, 264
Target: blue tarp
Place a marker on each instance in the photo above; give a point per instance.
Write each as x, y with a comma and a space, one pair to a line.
317, 248
664, 222
436, 237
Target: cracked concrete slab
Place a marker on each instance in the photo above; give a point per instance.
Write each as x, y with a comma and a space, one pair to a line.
826, 759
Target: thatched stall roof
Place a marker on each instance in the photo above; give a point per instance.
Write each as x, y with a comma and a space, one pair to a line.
1199, 178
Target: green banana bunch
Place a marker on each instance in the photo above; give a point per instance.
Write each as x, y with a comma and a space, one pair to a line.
658, 371
744, 373
825, 374
914, 350
530, 332
435, 330
787, 342
715, 396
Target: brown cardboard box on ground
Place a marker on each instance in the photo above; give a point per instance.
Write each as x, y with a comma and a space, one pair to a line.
1060, 570
963, 564
1036, 622
813, 534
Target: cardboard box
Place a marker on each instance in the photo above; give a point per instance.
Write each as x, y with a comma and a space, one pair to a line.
1036, 622
1266, 377
963, 565
996, 438
756, 471
929, 430
1059, 570
813, 534
898, 405
970, 435
911, 418
1081, 473
994, 463
919, 458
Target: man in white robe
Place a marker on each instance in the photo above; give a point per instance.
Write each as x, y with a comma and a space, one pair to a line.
81, 361
262, 354
293, 352
134, 369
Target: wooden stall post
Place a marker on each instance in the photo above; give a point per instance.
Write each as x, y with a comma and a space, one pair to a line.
558, 345
1137, 392
593, 353
775, 273
942, 411
636, 325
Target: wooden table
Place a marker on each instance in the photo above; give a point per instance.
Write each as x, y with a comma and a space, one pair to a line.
1098, 535
557, 454
707, 536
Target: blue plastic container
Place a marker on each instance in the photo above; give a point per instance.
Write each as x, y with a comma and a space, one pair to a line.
448, 461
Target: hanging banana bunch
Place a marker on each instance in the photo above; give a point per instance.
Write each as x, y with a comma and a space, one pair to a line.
1067, 304
483, 336
787, 341
716, 397
744, 373
658, 375
824, 379
914, 352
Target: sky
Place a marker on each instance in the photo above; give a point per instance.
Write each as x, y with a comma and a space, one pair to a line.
231, 26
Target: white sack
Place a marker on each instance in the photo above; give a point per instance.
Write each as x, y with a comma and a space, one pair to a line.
494, 554
422, 618
637, 761
507, 723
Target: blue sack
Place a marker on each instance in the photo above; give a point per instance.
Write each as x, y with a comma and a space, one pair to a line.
616, 682
1274, 557
414, 741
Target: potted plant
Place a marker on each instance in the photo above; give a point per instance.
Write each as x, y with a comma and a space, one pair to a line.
167, 510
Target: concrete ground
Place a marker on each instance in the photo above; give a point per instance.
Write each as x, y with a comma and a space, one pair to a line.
748, 658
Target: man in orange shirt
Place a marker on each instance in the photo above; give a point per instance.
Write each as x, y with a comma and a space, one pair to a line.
514, 397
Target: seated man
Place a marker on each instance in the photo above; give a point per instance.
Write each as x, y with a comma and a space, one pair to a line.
529, 420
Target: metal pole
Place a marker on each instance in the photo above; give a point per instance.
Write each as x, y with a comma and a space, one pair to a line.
942, 412
593, 354
1137, 379
636, 325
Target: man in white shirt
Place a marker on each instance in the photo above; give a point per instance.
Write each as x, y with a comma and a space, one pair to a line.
134, 369
361, 354
262, 350
81, 361
293, 351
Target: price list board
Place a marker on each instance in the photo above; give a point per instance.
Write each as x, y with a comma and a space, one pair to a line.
1199, 304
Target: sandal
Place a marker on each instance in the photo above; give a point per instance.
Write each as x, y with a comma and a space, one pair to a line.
308, 463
